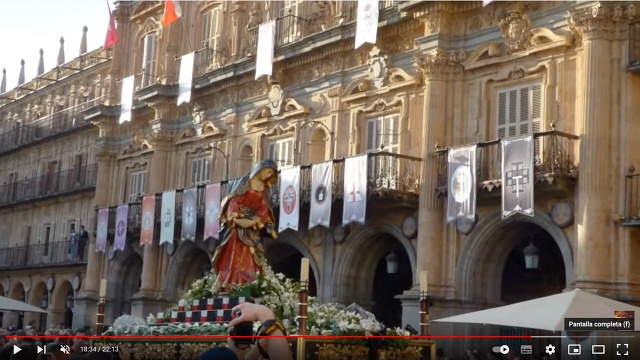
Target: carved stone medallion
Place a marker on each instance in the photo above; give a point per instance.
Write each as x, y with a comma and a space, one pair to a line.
410, 227
515, 30
465, 226
562, 214
338, 233
377, 67
170, 248
276, 96
50, 283
76, 282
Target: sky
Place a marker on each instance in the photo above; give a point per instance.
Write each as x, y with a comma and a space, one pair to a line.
26, 26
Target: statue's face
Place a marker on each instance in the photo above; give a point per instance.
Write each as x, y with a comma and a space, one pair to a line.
266, 174
515, 28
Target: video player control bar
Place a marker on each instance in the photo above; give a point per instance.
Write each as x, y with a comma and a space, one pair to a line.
599, 324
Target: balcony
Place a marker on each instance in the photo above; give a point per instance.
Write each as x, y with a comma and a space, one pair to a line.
51, 185
58, 123
389, 176
39, 255
554, 161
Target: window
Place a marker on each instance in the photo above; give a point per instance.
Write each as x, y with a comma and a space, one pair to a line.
47, 235
200, 171
210, 35
77, 170
137, 186
281, 152
383, 133
289, 27
150, 59
519, 111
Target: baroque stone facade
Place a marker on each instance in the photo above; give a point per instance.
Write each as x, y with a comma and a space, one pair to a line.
441, 74
48, 175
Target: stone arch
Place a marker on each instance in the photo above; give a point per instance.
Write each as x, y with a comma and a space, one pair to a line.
17, 291
484, 241
317, 145
36, 294
246, 158
59, 295
123, 281
289, 238
188, 263
349, 261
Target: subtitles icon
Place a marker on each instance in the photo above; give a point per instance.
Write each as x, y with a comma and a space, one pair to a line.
526, 349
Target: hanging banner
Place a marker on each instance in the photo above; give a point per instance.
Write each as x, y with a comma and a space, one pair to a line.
126, 99
212, 211
461, 202
167, 217
289, 199
265, 50
321, 194
121, 227
189, 215
185, 78
517, 176
355, 190
367, 22
102, 230
148, 219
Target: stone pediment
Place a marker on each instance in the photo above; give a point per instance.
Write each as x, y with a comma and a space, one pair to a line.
210, 129
259, 116
394, 78
278, 129
291, 107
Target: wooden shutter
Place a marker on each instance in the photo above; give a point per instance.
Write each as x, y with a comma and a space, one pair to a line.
272, 152
536, 108
288, 152
214, 37
206, 30
371, 135
39, 234
64, 232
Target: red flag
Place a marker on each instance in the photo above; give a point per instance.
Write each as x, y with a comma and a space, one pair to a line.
112, 33
172, 12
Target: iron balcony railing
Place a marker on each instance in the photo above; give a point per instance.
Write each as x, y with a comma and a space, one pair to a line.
388, 174
54, 184
554, 156
55, 253
60, 122
632, 198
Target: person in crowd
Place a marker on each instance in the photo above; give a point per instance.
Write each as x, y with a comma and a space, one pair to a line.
270, 344
53, 350
78, 342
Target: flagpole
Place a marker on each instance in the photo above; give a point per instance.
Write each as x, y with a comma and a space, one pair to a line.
186, 33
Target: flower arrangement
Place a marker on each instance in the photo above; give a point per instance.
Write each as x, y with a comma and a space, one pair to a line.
279, 294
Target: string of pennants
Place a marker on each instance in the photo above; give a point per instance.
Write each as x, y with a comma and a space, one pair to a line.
517, 179
354, 208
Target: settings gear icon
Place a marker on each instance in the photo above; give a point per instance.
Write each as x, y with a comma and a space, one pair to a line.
550, 349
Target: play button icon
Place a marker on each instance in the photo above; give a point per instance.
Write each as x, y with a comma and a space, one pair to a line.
40, 349
16, 349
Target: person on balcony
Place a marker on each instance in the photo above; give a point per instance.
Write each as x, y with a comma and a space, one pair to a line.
74, 238
245, 214
82, 242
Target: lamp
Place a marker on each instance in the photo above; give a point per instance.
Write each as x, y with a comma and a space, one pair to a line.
531, 256
392, 263
44, 302
69, 301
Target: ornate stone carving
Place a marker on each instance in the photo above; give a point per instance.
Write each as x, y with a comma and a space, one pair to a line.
377, 67
139, 143
601, 20
515, 30
210, 129
438, 63
276, 97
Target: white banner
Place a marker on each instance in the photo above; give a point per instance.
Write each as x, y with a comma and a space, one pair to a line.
367, 22
185, 80
126, 99
355, 190
167, 217
289, 199
321, 194
266, 47
486, 2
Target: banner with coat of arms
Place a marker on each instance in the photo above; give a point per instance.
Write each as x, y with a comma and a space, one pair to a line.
289, 199
367, 22
121, 227
189, 215
321, 194
461, 201
167, 217
148, 219
355, 190
102, 230
517, 176
212, 212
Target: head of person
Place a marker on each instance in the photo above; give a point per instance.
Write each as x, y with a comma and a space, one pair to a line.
81, 227
266, 171
218, 353
53, 350
79, 339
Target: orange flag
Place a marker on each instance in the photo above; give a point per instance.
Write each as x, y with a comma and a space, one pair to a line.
172, 12
112, 33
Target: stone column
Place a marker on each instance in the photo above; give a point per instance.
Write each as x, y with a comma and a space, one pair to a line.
436, 67
146, 300
596, 27
86, 303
